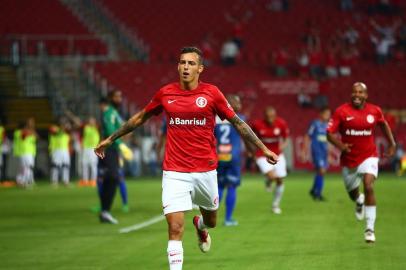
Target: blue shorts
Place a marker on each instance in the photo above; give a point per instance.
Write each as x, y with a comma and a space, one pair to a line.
228, 174
320, 161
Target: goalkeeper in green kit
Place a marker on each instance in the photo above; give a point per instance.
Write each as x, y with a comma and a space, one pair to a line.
109, 167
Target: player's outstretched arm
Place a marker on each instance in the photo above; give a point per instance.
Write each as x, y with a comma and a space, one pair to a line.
250, 137
389, 136
135, 121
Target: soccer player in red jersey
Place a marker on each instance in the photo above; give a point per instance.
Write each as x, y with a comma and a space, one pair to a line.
190, 160
273, 131
355, 122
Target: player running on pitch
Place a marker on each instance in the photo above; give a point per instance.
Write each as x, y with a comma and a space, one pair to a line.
190, 160
355, 122
273, 131
317, 135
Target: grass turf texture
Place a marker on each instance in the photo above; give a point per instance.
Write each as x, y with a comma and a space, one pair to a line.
46, 228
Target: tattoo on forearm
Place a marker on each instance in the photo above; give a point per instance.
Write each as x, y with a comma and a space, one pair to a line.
130, 125
246, 132
123, 130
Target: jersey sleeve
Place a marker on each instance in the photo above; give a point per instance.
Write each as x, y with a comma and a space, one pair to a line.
380, 118
285, 130
155, 105
311, 129
222, 107
334, 122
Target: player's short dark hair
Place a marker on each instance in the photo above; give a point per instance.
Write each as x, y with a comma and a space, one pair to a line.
323, 109
103, 100
193, 50
111, 95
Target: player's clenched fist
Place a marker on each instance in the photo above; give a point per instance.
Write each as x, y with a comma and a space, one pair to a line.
271, 157
99, 150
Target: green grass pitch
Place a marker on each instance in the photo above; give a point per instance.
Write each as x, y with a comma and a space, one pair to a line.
46, 228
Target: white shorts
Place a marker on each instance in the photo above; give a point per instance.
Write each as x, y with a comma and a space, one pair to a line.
181, 190
89, 157
27, 161
353, 177
60, 158
279, 168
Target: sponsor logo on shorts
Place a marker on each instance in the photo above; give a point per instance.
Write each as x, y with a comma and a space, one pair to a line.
354, 132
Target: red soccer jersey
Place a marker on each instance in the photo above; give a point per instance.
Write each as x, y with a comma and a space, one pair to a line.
271, 134
190, 118
357, 128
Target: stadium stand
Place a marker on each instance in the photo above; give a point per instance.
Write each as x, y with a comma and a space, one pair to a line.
31, 23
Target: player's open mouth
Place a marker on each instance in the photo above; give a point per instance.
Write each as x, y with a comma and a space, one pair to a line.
356, 100
185, 73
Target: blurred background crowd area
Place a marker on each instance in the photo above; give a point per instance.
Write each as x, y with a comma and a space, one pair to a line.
59, 56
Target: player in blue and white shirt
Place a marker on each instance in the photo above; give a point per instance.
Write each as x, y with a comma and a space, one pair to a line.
317, 134
229, 148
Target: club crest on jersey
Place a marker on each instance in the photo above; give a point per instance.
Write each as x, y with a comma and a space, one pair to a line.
201, 102
370, 118
277, 131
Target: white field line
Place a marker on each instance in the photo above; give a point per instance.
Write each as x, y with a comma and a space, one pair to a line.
141, 225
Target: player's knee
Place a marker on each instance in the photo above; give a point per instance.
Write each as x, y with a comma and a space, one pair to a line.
176, 228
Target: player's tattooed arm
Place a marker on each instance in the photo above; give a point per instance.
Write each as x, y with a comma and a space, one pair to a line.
135, 121
250, 137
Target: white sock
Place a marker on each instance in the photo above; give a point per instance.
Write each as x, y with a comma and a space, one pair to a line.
85, 172
278, 195
370, 216
200, 225
54, 174
65, 174
93, 172
360, 199
175, 255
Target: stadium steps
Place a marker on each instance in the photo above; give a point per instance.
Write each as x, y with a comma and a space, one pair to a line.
9, 86
17, 110
92, 17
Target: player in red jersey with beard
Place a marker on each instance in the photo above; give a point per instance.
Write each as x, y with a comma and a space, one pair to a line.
190, 160
273, 131
355, 122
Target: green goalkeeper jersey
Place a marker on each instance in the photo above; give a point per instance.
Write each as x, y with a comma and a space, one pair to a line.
111, 121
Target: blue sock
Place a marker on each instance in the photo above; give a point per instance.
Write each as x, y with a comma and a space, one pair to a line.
230, 201
123, 191
319, 181
221, 192
314, 184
